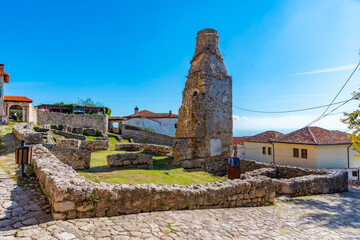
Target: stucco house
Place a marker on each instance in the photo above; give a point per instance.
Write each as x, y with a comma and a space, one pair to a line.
11, 104
311, 147
164, 123
238, 146
260, 147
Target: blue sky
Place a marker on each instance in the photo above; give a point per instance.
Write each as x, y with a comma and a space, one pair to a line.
137, 53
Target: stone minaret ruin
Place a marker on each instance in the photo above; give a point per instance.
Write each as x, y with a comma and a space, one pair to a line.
204, 129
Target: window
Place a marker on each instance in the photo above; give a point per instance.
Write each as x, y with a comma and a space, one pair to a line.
264, 150
303, 153
295, 152
175, 125
269, 150
354, 173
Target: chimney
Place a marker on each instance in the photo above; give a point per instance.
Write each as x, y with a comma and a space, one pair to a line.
207, 40
170, 113
136, 110
1, 68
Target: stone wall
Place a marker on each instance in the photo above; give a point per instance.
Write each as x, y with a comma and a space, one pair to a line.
72, 196
91, 145
137, 160
147, 148
25, 132
75, 158
70, 135
297, 181
98, 122
68, 143
144, 136
95, 145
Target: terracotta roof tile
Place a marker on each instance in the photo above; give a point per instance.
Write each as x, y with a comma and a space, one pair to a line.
239, 140
267, 136
315, 136
148, 114
17, 99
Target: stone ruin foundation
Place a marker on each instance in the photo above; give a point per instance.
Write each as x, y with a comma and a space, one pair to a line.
137, 160
204, 130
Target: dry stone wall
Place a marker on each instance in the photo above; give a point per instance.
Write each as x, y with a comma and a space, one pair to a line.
68, 143
98, 122
147, 148
25, 133
137, 160
204, 129
95, 145
72, 196
144, 136
296, 181
75, 158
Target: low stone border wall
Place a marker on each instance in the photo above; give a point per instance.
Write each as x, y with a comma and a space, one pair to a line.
296, 181
95, 145
72, 196
68, 143
70, 135
91, 145
75, 158
137, 160
148, 148
24, 132
142, 135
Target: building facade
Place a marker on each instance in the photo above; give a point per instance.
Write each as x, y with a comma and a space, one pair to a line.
164, 123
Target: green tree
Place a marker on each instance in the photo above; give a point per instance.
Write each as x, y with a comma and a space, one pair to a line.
353, 121
88, 102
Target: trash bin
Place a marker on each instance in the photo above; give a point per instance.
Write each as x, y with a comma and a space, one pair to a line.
233, 168
23, 155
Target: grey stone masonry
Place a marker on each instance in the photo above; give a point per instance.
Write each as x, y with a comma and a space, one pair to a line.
24, 132
72, 196
297, 181
68, 143
144, 136
75, 158
148, 148
98, 122
204, 129
130, 160
95, 145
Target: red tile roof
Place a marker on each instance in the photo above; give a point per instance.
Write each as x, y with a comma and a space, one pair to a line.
268, 136
6, 76
116, 118
148, 114
315, 136
239, 140
17, 99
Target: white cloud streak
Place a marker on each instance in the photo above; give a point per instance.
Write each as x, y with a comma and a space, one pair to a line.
290, 122
327, 70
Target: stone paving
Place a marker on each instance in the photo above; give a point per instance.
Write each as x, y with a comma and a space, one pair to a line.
333, 216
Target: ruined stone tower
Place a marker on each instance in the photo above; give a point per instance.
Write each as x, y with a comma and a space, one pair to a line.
204, 129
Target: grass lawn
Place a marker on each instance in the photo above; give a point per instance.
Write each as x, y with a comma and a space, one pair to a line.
161, 174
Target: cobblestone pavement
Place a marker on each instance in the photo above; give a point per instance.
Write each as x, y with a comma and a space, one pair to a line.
334, 216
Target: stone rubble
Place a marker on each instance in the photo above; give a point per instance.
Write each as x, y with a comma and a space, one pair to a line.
130, 160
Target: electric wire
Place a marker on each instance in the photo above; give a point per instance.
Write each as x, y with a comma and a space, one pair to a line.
290, 111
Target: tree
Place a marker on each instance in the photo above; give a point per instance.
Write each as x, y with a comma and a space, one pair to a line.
88, 102
353, 121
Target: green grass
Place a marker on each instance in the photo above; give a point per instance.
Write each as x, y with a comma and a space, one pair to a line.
162, 173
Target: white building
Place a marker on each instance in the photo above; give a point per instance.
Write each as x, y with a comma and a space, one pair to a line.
164, 123
311, 147
16, 108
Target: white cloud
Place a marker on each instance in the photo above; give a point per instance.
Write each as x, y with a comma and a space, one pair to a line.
289, 122
334, 69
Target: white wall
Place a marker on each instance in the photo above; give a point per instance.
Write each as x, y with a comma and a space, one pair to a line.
284, 155
240, 151
160, 125
332, 156
254, 151
2, 107
32, 114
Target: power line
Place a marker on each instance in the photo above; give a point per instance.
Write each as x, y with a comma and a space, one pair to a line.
323, 114
289, 111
